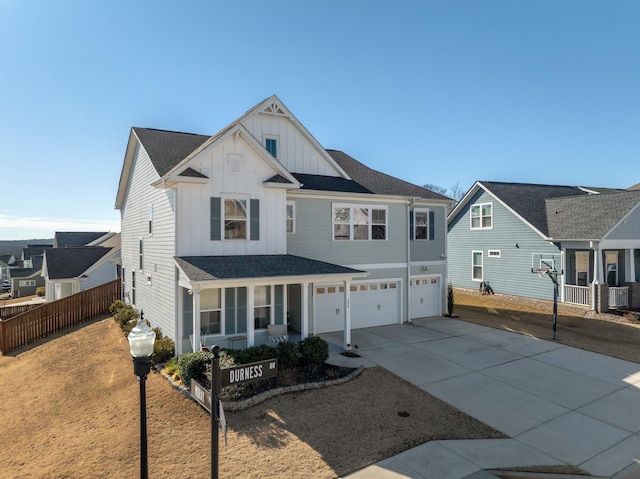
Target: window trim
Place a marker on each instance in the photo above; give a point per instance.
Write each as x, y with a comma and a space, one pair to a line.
353, 206
141, 254
292, 219
473, 265
480, 216
584, 255
219, 309
608, 254
150, 214
494, 253
426, 226
247, 220
270, 305
276, 139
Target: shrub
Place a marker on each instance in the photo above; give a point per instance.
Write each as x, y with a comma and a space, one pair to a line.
116, 306
163, 350
314, 351
40, 291
252, 354
125, 315
171, 368
288, 355
193, 365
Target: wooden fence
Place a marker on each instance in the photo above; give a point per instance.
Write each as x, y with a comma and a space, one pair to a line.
49, 318
7, 312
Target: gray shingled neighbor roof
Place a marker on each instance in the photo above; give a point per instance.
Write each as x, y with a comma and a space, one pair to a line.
380, 183
209, 268
168, 148
329, 183
588, 217
72, 262
528, 200
64, 239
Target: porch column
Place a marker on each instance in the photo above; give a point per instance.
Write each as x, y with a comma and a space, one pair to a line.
631, 276
597, 266
195, 295
347, 314
563, 276
304, 320
251, 295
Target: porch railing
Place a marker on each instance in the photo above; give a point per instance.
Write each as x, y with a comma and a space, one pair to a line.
576, 294
619, 297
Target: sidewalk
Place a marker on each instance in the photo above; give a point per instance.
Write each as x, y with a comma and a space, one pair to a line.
559, 405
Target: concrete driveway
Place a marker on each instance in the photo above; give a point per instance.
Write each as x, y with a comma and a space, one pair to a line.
560, 405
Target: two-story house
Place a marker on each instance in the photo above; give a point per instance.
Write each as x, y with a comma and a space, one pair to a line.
500, 233
259, 224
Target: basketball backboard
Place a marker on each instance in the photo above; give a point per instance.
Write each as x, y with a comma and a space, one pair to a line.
546, 262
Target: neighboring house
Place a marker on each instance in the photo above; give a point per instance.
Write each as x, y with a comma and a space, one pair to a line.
7, 261
499, 232
30, 251
26, 280
224, 235
71, 268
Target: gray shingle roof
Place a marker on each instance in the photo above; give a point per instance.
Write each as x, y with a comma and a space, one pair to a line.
168, 148
64, 239
380, 183
528, 200
329, 183
588, 217
209, 268
72, 262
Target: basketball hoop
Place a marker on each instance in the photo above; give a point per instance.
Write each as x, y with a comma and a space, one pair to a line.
542, 272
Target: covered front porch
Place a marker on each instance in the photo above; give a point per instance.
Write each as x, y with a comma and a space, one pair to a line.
239, 301
601, 276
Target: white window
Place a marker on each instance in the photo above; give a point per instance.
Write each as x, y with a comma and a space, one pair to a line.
140, 255
582, 268
494, 253
210, 312
262, 307
359, 223
611, 261
420, 224
235, 219
476, 265
291, 217
481, 216
149, 279
26, 282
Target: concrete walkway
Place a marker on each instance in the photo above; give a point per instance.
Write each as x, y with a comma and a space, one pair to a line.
560, 405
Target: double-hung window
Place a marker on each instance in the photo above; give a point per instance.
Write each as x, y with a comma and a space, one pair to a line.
210, 312
235, 219
291, 217
481, 216
476, 265
359, 223
420, 224
262, 307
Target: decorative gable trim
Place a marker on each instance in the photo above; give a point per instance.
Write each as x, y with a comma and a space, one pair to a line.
274, 108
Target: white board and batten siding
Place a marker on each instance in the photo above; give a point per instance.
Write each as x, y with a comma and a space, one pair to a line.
244, 179
296, 153
157, 299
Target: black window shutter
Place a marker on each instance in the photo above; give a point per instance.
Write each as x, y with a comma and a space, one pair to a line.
254, 225
432, 225
411, 225
216, 212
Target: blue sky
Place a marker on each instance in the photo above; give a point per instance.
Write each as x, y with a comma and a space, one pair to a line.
433, 92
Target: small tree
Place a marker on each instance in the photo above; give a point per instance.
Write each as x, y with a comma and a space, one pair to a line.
450, 299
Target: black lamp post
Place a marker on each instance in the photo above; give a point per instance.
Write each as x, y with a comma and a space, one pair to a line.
141, 340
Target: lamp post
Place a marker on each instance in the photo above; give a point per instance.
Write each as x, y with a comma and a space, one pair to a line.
141, 341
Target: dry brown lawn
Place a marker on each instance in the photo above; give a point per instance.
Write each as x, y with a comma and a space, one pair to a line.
69, 408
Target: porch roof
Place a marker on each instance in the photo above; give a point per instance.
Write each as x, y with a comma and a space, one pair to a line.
211, 268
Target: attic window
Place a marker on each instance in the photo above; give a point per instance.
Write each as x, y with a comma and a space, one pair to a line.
271, 144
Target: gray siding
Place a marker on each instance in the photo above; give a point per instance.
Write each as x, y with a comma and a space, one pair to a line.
629, 228
431, 250
157, 299
509, 274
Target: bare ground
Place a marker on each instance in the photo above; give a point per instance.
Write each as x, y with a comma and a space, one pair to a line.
69, 409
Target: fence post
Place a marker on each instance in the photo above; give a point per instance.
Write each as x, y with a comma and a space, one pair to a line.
1, 336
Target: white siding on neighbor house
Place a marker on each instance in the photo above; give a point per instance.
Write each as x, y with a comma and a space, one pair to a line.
194, 203
158, 299
102, 274
510, 273
295, 152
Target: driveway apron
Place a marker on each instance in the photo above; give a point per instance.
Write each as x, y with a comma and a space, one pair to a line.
560, 405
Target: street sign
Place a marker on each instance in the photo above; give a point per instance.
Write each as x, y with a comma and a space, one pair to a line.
249, 372
201, 395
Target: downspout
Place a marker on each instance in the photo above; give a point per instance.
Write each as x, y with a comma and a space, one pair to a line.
409, 233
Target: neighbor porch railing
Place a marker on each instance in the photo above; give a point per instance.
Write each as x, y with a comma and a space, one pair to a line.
576, 294
619, 297
49, 318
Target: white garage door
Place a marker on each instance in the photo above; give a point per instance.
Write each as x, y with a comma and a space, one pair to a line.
425, 297
372, 304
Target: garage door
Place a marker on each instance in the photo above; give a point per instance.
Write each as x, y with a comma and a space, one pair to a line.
425, 297
372, 304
